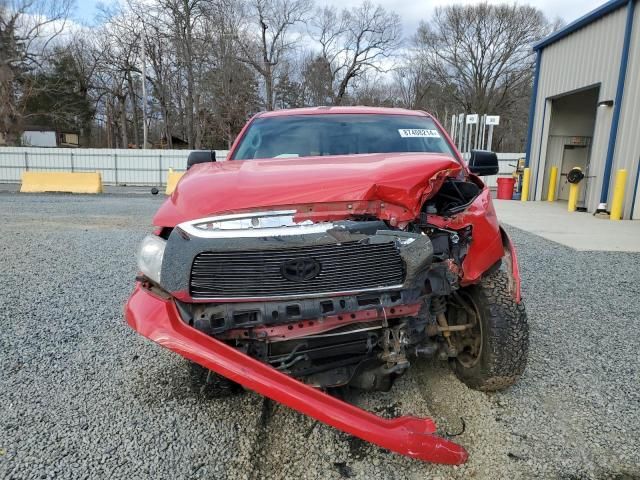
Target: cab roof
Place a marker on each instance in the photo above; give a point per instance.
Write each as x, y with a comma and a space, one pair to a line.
343, 110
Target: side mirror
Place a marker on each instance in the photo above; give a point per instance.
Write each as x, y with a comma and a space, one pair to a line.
200, 156
483, 162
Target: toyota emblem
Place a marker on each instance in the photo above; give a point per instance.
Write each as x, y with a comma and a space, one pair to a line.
300, 269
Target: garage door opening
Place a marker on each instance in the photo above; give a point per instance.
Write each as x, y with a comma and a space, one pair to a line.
571, 127
574, 156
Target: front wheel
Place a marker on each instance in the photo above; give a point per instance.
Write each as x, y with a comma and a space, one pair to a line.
493, 354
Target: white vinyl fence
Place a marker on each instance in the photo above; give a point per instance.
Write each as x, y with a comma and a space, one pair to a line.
132, 167
117, 166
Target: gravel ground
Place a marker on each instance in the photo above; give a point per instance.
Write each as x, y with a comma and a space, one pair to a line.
83, 396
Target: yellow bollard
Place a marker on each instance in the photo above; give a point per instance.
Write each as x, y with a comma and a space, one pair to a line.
553, 180
526, 177
618, 195
574, 189
172, 181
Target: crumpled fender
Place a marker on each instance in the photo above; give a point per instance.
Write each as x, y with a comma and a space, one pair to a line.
158, 319
486, 247
510, 260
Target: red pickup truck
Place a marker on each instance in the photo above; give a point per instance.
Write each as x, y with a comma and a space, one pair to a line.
332, 247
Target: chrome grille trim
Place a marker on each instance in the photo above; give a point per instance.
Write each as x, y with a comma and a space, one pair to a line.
346, 268
278, 223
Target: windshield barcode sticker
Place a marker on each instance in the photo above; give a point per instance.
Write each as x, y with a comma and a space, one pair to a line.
418, 133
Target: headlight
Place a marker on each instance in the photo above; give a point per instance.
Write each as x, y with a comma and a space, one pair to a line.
150, 256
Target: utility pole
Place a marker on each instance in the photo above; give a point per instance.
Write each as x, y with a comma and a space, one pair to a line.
144, 91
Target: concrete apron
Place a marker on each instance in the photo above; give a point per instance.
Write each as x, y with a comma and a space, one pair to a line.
580, 231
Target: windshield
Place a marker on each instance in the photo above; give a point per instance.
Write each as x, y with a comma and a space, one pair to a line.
346, 134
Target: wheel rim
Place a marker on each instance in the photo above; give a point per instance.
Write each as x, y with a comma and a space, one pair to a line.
469, 342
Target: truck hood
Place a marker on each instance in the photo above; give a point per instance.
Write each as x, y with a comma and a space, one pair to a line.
400, 180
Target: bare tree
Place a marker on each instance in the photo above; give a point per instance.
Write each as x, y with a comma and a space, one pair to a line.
356, 41
229, 87
410, 81
184, 20
371, 89
417, 88
265, 46
116, 50
210, 64
317, 81
27, 29
161, 76
483, 52
80, 49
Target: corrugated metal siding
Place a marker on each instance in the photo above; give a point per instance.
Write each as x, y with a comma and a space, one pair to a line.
588, 57
627, 152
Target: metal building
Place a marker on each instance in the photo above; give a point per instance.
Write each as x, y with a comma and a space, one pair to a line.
585, 109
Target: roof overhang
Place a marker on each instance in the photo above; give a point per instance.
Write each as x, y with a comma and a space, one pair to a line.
583, 21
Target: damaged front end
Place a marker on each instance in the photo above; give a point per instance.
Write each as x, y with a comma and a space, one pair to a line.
304, 298
344, 302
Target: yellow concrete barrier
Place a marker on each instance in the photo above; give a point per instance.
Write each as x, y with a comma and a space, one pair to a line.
572, 204
553, 180
172, 180
618, 195
67, 182
526, 179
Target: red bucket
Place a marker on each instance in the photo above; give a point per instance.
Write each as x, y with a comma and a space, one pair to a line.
505, 188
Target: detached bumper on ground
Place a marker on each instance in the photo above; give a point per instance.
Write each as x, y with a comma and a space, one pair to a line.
157, 318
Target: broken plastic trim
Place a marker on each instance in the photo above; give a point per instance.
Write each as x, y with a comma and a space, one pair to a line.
158, 319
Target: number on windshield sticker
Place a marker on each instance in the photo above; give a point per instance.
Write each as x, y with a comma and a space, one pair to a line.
418, 133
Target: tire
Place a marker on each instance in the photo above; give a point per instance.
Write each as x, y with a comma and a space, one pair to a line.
210, 384
505, 336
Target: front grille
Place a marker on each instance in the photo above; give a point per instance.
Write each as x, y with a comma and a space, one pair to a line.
350, 266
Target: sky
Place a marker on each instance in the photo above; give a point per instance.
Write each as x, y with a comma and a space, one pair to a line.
410, 11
